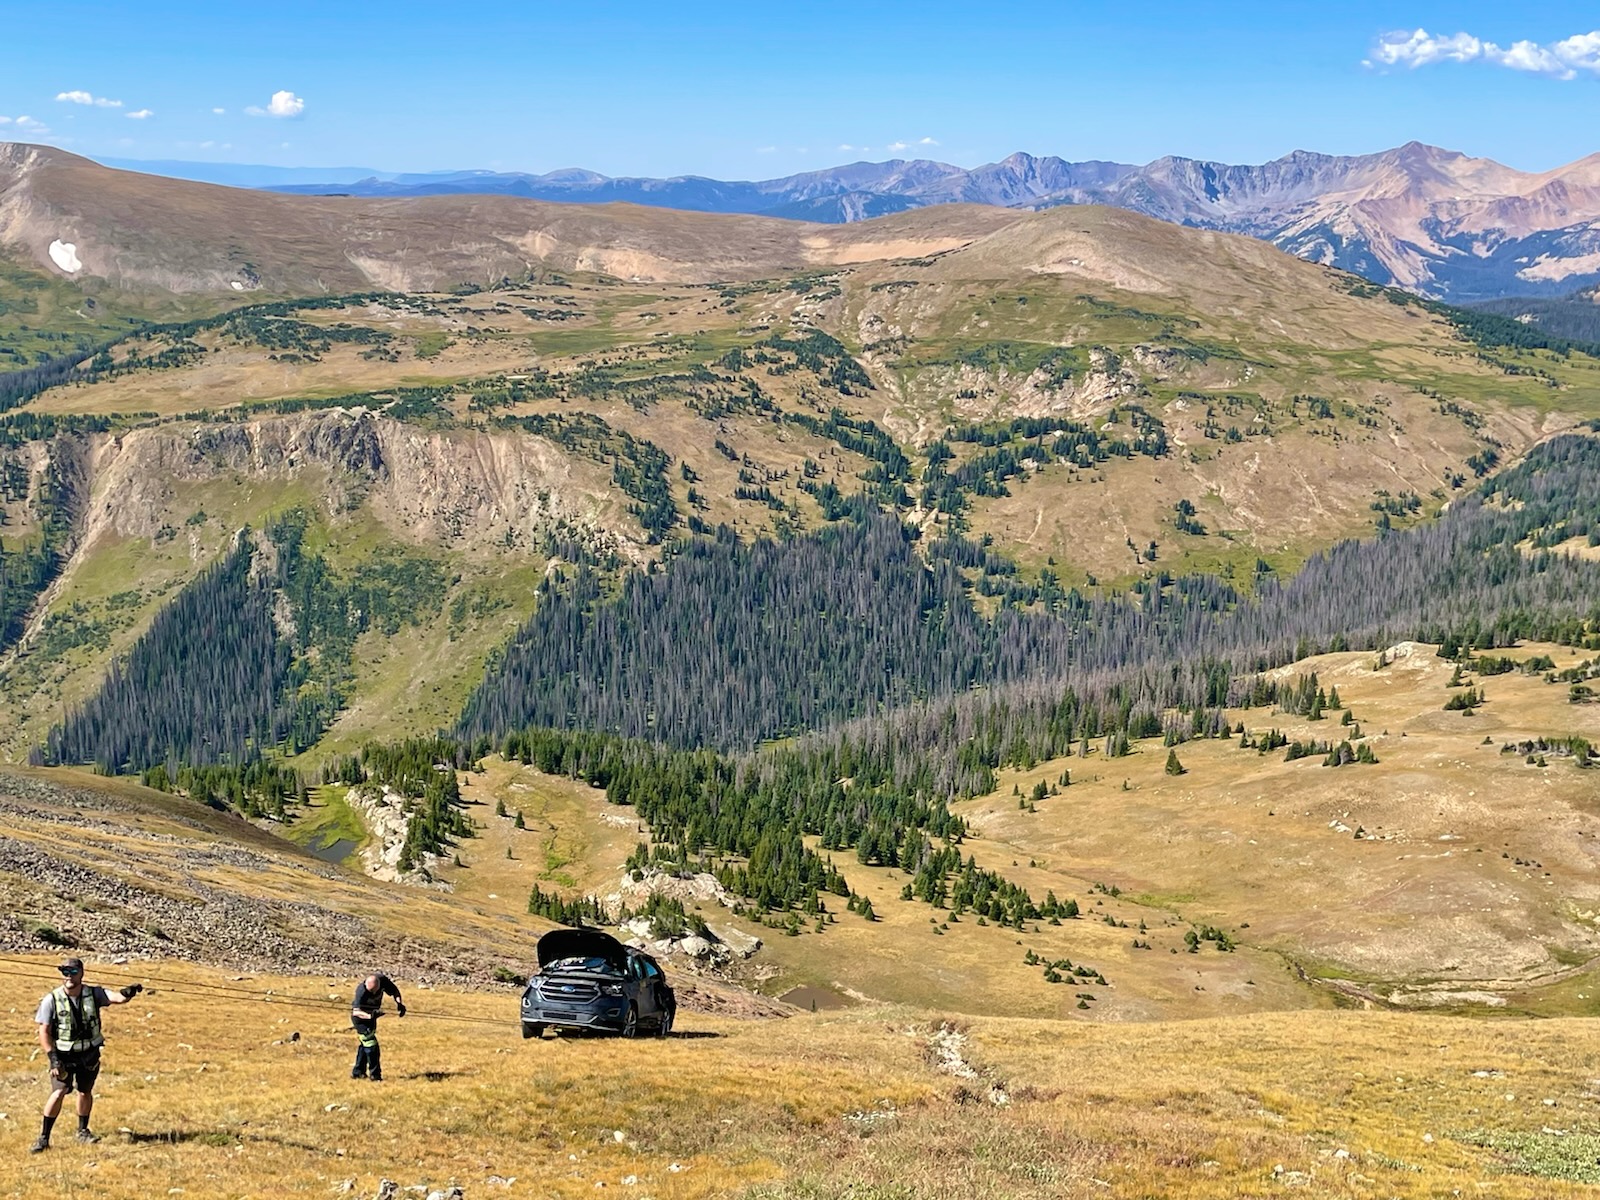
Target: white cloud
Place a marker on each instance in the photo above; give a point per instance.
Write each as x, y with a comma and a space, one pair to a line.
927, 141
5, 120
81, 97
32, 126
219, 111
282, 104
896, 147
1558, 60
140, 114
766, 149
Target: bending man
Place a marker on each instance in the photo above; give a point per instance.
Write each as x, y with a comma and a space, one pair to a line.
69, 1032
365, 1010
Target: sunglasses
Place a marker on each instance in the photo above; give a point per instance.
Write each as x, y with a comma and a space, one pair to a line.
70, 971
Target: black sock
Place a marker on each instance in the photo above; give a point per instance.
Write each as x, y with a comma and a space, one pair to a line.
45, 1126
83, 1122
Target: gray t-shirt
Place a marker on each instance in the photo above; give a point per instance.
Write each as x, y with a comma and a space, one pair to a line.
47, 1007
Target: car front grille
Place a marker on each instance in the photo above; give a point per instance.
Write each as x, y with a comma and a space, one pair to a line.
568, 992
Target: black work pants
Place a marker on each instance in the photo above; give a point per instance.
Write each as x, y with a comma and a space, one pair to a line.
368, 1065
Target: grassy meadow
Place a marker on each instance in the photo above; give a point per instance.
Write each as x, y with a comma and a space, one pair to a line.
211, 1092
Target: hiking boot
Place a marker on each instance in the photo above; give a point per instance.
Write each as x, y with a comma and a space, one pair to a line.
40, 1144
87, 1137
377, 1078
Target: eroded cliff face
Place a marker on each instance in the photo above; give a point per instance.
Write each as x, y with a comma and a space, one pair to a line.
150, 508
456, 489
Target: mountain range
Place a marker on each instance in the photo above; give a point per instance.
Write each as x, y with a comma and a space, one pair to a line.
1434, 221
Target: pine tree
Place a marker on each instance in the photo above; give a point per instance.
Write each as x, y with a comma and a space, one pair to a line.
1174, 767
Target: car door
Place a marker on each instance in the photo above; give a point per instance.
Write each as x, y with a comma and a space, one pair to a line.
657, 983
643, 990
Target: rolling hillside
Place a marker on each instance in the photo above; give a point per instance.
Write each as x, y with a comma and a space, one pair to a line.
1007, 634
1436, 221
1018, 452
147, 234
952, 1034
883, 1102
1102, 396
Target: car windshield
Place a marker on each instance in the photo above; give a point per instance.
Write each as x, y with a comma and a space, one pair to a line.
592, 963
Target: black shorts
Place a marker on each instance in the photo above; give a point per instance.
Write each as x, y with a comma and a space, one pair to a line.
79, 1070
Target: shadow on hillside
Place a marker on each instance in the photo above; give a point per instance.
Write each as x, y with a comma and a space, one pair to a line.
219, 1139
608, 1035
435, 1076
174, 1137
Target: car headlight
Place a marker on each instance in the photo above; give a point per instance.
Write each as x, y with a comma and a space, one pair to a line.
611, 989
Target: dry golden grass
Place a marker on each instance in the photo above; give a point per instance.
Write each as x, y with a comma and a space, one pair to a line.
1475, 872
218, 1100
572, 840
917, 955
1326, 1104
206, 1091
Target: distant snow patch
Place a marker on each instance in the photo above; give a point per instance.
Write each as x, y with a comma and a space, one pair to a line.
65, 256
239, 287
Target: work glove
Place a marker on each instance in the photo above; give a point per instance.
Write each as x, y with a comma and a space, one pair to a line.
55, 1066
132, 990
400, 1008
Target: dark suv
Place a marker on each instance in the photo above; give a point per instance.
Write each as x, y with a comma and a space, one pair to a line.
589, 980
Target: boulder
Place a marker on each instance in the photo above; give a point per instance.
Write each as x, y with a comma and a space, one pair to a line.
695, 947
737, 941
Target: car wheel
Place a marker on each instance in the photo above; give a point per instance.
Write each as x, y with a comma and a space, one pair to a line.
531, 1029
630, 1023
664, 1027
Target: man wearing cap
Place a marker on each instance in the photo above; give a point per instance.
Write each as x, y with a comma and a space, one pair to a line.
69, 1032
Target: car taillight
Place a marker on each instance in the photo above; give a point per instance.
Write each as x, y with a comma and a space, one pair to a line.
611, 989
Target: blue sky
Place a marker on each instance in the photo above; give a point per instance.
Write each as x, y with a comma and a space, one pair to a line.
756, 90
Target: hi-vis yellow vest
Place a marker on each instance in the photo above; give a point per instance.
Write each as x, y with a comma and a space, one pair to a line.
81, 1030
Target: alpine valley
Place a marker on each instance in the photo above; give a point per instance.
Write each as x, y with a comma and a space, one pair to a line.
971, 638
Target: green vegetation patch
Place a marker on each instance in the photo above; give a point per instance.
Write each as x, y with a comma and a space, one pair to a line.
1546, 1155
42, 317
327, 819
1060, 363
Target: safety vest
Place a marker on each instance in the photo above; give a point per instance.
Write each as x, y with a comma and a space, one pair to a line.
77, 1021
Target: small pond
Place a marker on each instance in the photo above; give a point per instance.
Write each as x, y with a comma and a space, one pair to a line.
333, 851
814, 999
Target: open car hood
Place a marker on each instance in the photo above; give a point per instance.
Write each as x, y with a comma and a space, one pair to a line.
561, 944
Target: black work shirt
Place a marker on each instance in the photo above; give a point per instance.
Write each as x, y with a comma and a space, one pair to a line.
369, 1003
